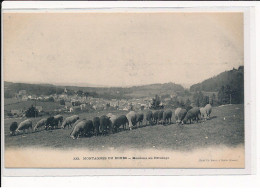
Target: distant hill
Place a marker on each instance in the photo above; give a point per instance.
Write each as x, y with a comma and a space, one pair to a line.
229, 86
234, 78
104, 92
32, 89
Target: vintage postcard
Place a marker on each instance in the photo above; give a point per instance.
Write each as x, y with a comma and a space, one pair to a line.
135, 89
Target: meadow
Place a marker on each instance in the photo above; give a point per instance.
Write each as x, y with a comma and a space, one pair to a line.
226, 127
10, 104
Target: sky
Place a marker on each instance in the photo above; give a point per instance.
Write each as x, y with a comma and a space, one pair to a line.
120, 49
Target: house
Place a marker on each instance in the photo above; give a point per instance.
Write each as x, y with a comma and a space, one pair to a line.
32, 97
40, 98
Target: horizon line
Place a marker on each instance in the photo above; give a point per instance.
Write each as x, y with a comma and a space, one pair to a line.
94, 85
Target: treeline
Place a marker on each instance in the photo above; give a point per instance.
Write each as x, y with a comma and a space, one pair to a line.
198, 99
33, 89
161, 87
229, 86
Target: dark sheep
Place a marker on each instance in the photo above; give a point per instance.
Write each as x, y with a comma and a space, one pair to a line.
96, 123
149, 117
51, 123
59, 118
181, 115
192, 114
156, 116
89, 129
167, 117
160, 116
120, 121
13, 127
104, 125
140, 118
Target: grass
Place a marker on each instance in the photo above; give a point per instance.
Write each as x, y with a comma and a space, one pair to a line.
216, 131
15, 104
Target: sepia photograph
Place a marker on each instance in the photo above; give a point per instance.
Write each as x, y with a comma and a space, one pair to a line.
124, 89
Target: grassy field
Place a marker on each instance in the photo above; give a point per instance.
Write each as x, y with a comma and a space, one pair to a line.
14, 104
226, 127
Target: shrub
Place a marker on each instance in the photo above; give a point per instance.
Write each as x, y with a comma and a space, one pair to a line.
31, 112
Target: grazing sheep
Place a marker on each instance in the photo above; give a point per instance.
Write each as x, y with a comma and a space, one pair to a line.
203, 113
82, 128
13, 127
131, 117
149, 117
25, 125
59, 118
74, 124
89, 129
167, 117
140, 118
112, 122
156, 116
51, 123
78, 129
120, 121
208, 109
105, 124
39, 124
180, 115
192, 114
69, 121
160, 116
96, 123
176, 114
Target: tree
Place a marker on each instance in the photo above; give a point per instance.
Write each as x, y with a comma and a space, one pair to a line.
8, 94
188, 104
228, 95
156, 102
205, 100
197, 102
181, 103
80, 93
50, 99
213, 100
31, 112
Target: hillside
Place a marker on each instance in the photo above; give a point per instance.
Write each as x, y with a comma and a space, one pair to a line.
229, 86
105, 92
234, 78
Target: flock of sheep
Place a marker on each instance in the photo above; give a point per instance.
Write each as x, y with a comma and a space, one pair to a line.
111, 123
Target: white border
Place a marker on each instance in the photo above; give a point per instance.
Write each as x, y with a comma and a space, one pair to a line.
250, 133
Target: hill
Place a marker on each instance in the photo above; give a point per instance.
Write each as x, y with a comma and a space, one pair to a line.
234, 78
229, 86
104, 92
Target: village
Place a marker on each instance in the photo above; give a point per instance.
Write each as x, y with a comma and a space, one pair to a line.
72, 103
